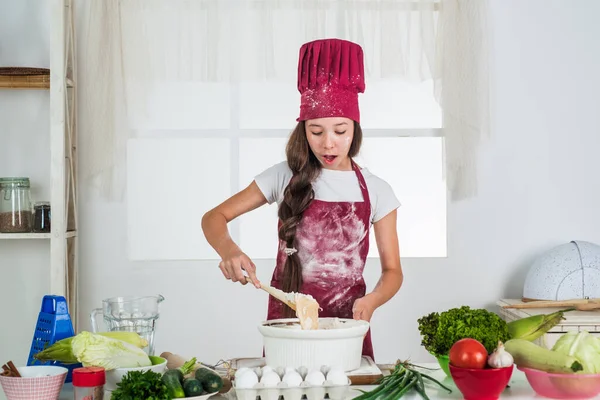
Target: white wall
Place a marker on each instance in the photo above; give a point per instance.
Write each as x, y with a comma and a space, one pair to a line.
537, 189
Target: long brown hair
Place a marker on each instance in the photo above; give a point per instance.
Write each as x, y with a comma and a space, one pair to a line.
297, 197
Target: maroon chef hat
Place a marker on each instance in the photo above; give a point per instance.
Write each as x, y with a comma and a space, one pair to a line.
330, 77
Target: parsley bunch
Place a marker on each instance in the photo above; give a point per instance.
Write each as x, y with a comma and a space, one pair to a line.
138, 385
440, 331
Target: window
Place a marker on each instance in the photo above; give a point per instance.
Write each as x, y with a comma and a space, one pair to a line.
171, 183
190, 161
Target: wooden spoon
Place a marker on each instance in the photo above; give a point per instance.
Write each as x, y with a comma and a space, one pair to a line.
277, 293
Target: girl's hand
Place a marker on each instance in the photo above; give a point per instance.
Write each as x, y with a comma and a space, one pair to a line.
233, 267
364, 308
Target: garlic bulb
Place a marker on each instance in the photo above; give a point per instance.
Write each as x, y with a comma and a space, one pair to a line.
500, 358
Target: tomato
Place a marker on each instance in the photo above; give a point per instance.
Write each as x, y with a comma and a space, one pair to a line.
468, 353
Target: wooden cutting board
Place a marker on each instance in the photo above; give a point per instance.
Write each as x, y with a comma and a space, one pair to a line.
367, 374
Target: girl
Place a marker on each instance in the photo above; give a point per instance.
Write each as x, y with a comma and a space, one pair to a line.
327, 203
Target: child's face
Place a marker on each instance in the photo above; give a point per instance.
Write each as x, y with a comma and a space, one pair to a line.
330, 140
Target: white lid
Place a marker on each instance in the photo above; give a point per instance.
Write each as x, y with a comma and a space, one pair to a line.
568, 271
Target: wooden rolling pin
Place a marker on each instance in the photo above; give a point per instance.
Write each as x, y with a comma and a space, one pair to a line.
580, 304
588, 306
175, 361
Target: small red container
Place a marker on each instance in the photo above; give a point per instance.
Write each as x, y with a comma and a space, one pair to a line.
481, 384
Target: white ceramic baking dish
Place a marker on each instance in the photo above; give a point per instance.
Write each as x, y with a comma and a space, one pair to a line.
338, 342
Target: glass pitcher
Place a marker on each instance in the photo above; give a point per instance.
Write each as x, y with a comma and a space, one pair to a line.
131, 314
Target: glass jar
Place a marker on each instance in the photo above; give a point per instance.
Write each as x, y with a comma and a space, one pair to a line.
41, 217
15, 205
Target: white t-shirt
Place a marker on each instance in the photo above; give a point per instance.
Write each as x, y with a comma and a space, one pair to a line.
332, 185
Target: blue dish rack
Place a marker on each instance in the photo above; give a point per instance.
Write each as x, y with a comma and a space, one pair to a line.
53, 324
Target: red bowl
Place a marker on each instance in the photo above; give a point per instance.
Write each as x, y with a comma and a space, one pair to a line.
481, 384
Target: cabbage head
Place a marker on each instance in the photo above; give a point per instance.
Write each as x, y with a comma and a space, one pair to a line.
584, 347
100, 351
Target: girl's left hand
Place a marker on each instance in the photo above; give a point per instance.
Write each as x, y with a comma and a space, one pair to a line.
363, 308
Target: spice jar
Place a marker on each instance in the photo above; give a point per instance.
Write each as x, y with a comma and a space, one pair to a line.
88, 383
15, 205
41, 216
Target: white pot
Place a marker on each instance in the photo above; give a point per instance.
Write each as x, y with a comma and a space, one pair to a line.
337, 343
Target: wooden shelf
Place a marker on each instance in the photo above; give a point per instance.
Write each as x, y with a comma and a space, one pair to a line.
27, 82
33, 235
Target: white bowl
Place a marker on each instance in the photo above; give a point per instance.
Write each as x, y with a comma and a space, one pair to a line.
37, 382
114, 376
337, 343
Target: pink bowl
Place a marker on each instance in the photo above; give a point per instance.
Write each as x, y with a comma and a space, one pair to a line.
563, 386
481, 384
39, 382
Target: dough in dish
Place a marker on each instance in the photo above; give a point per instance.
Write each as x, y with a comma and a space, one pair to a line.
307, 310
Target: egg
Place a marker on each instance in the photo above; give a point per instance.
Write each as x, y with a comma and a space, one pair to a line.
266, 368
337, 377
315, 378
246, 380
292, 378
270, 379
241, 371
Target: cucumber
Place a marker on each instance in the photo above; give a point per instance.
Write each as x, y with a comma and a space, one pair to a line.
529, 355
173, 383
192, 387
211, 381
177, 372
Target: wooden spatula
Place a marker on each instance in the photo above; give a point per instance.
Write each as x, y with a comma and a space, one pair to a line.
277, 293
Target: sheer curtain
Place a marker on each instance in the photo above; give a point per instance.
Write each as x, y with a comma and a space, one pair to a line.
128, 47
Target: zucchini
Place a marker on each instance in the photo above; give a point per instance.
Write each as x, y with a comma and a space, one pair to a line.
529, 355
172, 381
192, 387
211, 381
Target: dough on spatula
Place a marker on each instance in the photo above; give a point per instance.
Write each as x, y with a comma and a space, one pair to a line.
307, 311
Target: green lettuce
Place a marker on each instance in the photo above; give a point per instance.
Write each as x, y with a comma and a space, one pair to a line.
439, 331
99, 351
584, 347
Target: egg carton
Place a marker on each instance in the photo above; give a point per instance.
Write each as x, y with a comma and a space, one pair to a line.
314, 385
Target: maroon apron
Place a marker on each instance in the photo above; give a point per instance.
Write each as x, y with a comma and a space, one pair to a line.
332, 240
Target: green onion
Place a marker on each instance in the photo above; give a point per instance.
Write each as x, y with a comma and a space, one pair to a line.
404, 378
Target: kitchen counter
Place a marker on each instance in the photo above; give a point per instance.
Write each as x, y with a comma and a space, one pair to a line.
519, 388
